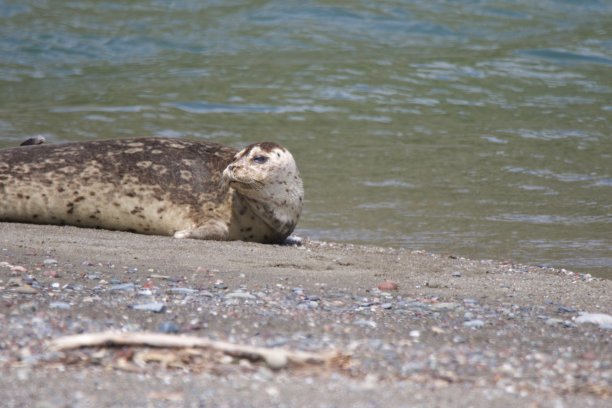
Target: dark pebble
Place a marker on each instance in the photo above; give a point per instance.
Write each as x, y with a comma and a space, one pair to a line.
566, 309
168, 327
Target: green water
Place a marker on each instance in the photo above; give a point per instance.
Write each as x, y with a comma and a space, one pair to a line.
473, 128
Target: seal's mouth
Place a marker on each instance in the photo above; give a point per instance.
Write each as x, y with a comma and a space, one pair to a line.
240, 183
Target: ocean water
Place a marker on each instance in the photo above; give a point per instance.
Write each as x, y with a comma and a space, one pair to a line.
473, 128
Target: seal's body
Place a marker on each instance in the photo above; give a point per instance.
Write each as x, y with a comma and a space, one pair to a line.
154, 186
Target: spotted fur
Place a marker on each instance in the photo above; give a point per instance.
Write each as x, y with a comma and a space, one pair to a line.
145, 185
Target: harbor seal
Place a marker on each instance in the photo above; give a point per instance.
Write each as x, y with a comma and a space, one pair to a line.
159, 186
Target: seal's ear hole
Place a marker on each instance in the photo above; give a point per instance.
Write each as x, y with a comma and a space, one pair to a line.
259, 159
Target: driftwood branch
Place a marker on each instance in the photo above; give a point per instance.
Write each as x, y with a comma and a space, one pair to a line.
274, 357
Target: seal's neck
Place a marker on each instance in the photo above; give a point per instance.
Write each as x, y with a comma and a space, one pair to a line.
279, 205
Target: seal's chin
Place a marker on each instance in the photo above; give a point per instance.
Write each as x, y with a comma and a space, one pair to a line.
241, 184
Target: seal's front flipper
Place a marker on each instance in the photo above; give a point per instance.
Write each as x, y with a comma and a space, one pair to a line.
213, 229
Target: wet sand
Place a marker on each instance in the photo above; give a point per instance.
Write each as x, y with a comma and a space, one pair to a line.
455, 332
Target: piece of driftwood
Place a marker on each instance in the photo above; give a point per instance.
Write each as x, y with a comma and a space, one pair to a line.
274, 357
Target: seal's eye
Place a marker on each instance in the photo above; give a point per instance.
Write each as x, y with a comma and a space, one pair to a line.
260, 159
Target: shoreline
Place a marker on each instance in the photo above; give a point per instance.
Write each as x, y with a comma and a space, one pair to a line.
455, 331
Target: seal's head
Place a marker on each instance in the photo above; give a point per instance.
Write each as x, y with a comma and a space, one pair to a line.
267, 176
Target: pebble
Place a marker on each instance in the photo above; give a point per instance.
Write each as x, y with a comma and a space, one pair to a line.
366, 323
155, 307
59, 305
414, 334
168, 327
26, 290
220, 285
122, 287
240, 295
456, 274
183, 291
93, 276
600, 319
553, 321
276, 359
476, 323
50, 262
388, 285
566, 309
443, 306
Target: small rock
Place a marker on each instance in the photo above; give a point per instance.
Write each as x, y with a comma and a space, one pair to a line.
476, 323
456, 274
388, 285
55, 285
183, 291
414, 334
366, 323
18, 269
122, 287
59, 305
155, 307
240, 295
553, 321
93, 276
276, 359
26, 290
386, 306
566, 309
51, 274
293, 240
600, 319
168, 327
443, 306
50, 262
220, 285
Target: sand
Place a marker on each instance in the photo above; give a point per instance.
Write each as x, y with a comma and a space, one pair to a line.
454, 332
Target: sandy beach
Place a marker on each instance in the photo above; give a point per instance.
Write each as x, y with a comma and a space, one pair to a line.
412, 328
